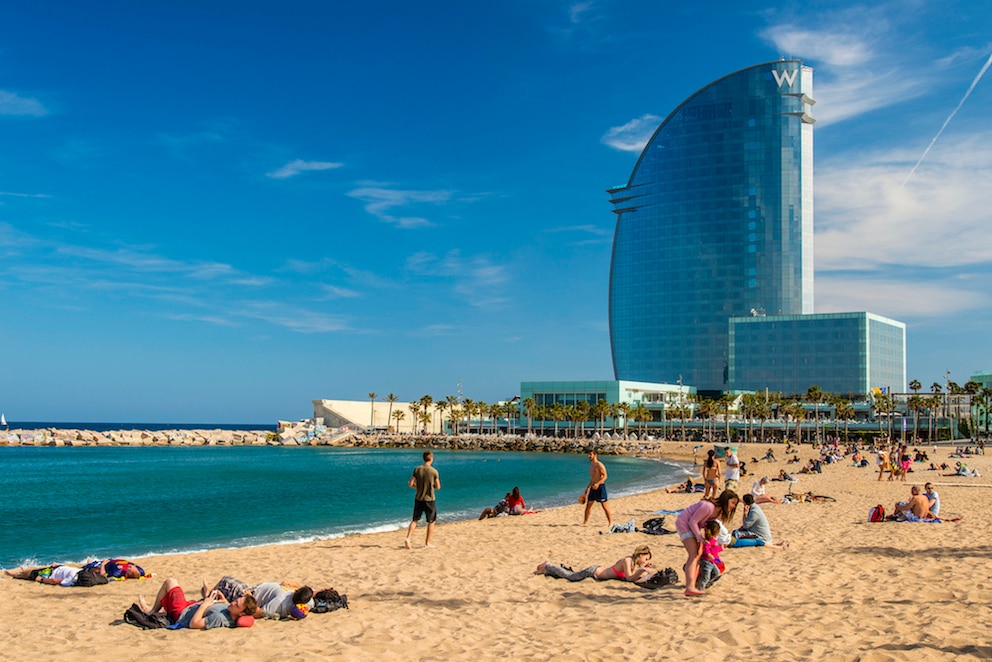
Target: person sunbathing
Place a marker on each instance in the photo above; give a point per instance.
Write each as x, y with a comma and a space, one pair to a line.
634, 568
212, 612
63, 575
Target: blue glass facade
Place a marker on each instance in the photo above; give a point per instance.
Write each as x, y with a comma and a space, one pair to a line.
716, 221
839, 352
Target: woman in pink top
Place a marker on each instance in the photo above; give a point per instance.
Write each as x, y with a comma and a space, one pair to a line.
690, 524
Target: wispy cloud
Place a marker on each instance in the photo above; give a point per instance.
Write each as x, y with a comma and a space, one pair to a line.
923, 249
480, 281
858, 68
579, 235
632, 136
336, 292
381, 203
24, 195
13, 104
578, 10
299, 166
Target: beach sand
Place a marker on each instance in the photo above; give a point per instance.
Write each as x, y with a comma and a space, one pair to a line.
845, 590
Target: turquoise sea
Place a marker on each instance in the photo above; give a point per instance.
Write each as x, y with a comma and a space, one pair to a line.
66, 504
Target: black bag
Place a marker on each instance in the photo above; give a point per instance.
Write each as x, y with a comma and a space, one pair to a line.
665, 577
136, 617
655, 526
90, 577
328, 600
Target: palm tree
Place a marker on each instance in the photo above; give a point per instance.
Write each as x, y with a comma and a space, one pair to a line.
512, 412
372, 397
727, 401
797, 412
399, 416
915, 386
814, 396
390, 398
623, 409
846, 411
641, 415
439, 406
415, 411
601, 410
529, 407
468, 409
558, 413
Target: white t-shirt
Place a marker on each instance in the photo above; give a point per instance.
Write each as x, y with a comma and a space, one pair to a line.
733, 467
758, 489
65, 574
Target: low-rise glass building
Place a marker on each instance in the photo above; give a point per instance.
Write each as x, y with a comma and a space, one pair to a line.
839, 352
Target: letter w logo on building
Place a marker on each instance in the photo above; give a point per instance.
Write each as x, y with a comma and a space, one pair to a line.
785, 76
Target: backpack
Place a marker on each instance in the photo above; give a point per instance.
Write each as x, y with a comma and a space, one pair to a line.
665, 577
876, 514
328, 600
90, 577
136, 617
655, 526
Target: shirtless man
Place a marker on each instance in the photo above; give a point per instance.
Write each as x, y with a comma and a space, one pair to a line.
917, 509
596, 489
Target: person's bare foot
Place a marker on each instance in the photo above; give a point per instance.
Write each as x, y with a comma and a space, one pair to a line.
142, 604
428, 545
691, 593
406, 543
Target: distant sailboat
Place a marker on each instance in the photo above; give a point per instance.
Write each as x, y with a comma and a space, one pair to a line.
3, 421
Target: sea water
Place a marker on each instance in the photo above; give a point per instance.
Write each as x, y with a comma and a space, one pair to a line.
67, 504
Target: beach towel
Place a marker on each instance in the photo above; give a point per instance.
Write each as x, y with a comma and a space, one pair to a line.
629, 527
668, 512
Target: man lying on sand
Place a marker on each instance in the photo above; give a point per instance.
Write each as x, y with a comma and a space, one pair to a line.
214, 611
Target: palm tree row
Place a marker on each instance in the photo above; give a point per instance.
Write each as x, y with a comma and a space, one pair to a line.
467, 415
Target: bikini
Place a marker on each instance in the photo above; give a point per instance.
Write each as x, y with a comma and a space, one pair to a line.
621, 574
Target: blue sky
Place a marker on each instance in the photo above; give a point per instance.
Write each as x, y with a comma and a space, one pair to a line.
218, 211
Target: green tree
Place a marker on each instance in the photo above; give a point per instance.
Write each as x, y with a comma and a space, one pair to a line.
414, 412
814, 396
529, 408
399, 416
440, 406
557, 414
390, 398
372, 397
623, 409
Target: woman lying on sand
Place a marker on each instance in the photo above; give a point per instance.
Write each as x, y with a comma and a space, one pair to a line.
633, 568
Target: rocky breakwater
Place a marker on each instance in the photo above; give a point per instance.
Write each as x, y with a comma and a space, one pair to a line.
60, 437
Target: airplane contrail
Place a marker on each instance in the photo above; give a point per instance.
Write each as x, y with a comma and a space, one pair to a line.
949, 118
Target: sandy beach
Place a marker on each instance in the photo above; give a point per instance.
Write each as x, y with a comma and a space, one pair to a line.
845, 590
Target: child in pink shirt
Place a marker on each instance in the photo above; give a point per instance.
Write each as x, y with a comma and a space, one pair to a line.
710, 565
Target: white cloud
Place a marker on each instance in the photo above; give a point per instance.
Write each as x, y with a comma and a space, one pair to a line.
898, 299
13, 104
336, 292
578, 10
477, 278
859, 66
864, 220
632, 136
380, 202
24, 195
298, 166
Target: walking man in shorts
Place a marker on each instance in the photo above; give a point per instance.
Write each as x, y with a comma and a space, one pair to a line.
425, 480
596, 490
